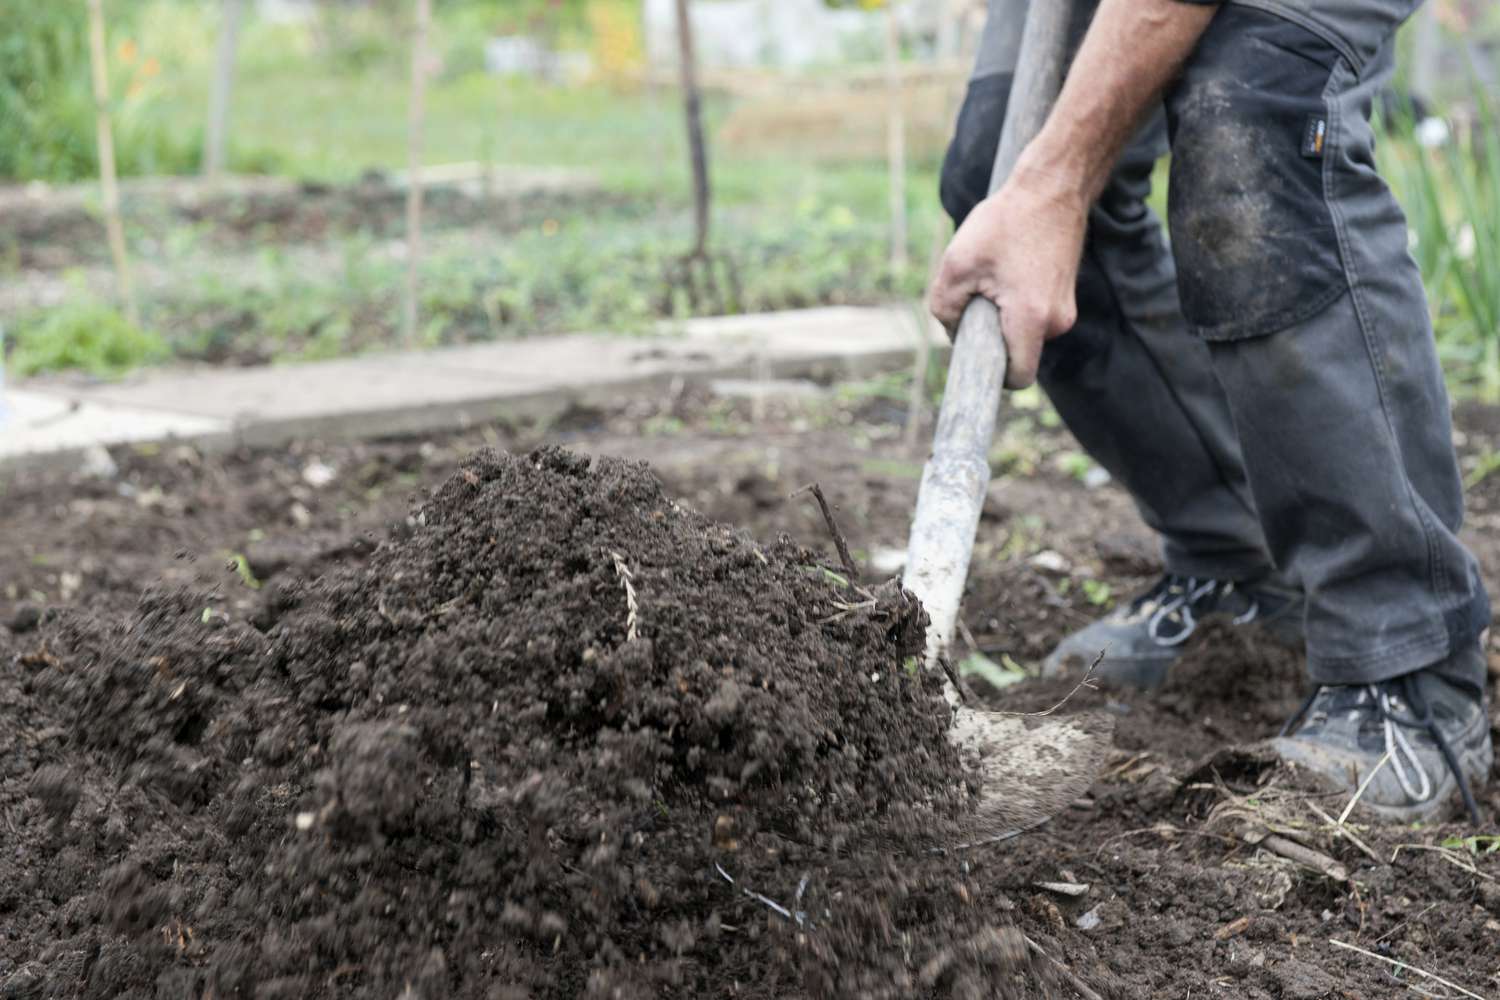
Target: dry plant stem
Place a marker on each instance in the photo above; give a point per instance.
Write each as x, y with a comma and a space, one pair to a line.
964, 694
108, 178
1074, 983
632, 608
845, 559
692, 101
1403, 923
998, 838
1360, 791
1306, 856
1404, 965
416, 121
1086, 682
916, 401
1453, 859
1165, 831
916, 398
1341, 830
895, 137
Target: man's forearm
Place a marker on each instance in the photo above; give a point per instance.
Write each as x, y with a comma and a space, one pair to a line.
1020, 247
1132, 51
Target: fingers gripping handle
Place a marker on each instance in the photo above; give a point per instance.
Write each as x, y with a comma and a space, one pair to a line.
957, 474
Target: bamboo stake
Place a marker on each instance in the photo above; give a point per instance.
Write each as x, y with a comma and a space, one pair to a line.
216, 139
417, 112
693, 110
108, 179
895, 139
925, 323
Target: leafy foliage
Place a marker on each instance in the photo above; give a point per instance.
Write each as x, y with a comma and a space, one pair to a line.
86, 335
1451, 193
47, 104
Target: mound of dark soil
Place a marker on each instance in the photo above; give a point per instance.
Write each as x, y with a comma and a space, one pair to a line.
520, 751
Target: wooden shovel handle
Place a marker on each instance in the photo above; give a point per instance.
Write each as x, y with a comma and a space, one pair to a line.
958, 473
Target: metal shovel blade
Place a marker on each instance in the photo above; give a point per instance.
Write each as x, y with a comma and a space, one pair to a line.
1028, 769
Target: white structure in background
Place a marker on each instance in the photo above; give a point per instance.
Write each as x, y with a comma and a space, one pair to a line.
781, 33
523, 55
285, 11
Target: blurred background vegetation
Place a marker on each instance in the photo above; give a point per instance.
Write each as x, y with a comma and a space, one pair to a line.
575, 202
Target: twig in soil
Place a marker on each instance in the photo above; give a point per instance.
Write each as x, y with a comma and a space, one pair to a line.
1405, 965
998, 838
1306, 856
1340, 830
798, 916
833, 529
1403, 923
632, 609
845, 610
968, 636
1166, 830
1360, 791
1074, 983
1447, 855
964, 694
1086, 682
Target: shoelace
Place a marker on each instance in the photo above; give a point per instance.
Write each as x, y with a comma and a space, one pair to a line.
1398, 746
1183, 593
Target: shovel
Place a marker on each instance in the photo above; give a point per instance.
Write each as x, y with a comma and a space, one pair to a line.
1029, 769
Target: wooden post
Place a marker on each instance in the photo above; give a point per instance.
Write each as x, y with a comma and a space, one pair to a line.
692, 101
950, 48
108, 179
417, 112
895, 141
216, 138
947, 32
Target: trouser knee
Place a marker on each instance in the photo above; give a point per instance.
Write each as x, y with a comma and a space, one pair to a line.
1252, 139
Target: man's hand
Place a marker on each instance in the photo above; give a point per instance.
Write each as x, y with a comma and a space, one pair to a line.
1019, 248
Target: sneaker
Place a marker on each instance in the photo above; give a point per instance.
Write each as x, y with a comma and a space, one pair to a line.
1415, 739
1142, 639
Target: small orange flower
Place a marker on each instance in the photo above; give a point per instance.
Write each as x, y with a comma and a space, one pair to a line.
550, 227
150, 67
128, 51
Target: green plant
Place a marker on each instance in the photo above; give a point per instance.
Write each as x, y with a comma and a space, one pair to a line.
1485, 464
995, 674
1477, 845
87, 335
1097, 592
1451, 194
1075, 464
241, 566
47, 104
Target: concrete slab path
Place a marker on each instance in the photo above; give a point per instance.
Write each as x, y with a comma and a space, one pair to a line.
53, 419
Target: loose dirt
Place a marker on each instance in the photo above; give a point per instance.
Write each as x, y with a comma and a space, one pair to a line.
278, 826
541, 743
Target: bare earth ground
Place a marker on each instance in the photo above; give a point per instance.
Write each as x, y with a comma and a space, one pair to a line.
1185, 894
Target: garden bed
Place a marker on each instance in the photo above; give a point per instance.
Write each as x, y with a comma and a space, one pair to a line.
397, 718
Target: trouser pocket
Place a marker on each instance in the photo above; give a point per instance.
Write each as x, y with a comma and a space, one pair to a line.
1256, 246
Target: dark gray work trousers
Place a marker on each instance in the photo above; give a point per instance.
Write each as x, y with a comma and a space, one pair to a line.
1267, 387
